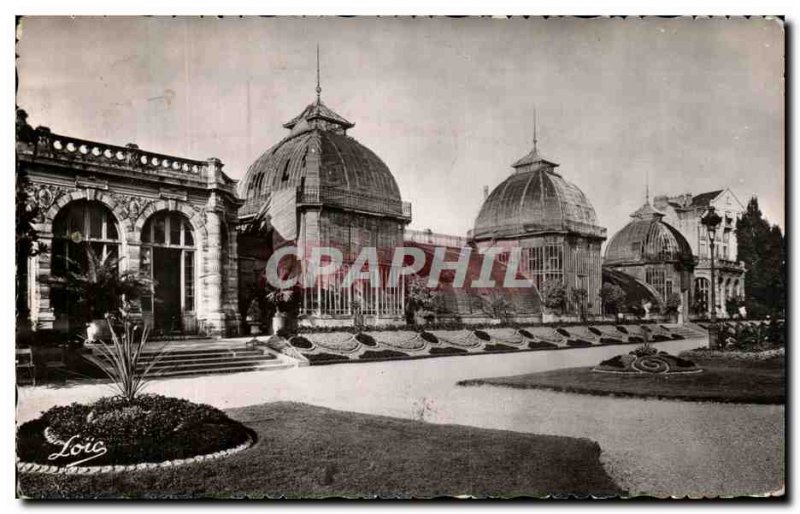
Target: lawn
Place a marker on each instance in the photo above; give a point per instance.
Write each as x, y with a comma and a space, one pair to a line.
313, 452
721, 381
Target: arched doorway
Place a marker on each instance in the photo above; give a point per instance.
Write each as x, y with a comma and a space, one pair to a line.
81, 227
701, 292
168, 257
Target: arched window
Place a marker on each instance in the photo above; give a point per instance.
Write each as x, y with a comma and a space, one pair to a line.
81, 227
168, 257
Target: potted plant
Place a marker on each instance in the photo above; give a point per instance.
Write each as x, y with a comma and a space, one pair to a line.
253, 317
498, 308
100, 289
284, 302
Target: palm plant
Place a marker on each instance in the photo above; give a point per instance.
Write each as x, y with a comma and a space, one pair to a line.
122, 359
99, 287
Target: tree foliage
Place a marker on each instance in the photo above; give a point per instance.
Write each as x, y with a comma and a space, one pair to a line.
762, 249
613, 298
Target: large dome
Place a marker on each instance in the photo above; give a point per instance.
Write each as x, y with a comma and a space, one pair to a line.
318, 155
536, 199
647, 239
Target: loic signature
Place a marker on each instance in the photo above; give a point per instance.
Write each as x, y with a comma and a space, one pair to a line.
75, 447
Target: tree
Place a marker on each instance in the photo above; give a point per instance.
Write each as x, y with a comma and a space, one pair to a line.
762, 249
613, 298
27, 211
554, 296
579, 295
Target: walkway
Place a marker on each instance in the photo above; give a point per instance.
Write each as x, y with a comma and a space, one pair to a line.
649, 446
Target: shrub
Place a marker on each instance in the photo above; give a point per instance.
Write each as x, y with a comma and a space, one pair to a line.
365, 339
301, 343
447, 350
498, 348
325, 357
579, 343
483, 336
427, 336
541, 345
554, 296
381, 354
612, 297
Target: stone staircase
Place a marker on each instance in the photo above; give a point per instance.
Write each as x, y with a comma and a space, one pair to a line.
688, 331
204, 359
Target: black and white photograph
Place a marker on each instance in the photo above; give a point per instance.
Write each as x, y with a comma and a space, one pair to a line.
400, 257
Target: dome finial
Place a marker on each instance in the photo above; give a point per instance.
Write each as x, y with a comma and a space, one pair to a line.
535, 140
319, 89
647, 186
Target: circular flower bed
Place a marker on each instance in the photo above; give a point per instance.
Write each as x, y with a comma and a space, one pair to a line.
115, 432
647, 362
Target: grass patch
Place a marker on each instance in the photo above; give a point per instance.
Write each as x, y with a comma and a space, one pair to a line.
312, 452
730, 381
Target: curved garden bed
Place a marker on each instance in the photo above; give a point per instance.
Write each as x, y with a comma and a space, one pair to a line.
114, 434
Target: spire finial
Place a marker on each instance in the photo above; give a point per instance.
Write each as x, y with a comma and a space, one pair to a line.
647, 187
319, 89
535, 140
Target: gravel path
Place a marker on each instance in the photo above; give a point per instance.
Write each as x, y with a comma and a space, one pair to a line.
656, 447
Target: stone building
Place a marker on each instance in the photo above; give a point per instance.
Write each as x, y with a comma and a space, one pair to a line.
654, 253
169, 218
551, 221
684, 213
319, 186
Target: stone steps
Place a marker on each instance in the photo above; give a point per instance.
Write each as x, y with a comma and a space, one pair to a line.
197, 360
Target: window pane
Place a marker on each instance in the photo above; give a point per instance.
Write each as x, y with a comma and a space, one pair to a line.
159, 229
75, 221
111, 228
95, 222
188, 239
175, 223
188, 280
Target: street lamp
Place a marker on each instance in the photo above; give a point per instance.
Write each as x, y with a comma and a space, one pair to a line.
711, 220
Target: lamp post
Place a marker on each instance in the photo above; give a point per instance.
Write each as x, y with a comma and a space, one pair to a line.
711, 220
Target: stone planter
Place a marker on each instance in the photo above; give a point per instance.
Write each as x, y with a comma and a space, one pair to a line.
255, 327
278, 323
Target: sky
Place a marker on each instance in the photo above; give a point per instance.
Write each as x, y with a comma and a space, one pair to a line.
690, 105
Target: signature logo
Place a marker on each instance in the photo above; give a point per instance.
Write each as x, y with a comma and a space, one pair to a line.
75, 447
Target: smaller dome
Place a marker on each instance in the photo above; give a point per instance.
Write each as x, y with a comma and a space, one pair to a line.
647, 239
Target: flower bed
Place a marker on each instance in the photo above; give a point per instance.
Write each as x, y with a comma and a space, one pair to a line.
647, 360
447, 350
579, 343
148, 429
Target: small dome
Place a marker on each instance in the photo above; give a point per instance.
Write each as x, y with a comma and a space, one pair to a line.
319, 153
536, 199
647, 239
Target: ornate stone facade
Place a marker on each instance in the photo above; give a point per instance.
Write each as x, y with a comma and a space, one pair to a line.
134, 186
684, 213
